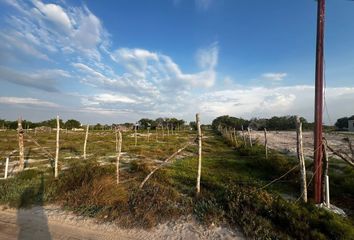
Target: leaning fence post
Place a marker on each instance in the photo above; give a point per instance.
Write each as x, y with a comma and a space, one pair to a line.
20, 144
85, 144
6, 167
57, 149
119, 152
266, 143
300, 156
199, 152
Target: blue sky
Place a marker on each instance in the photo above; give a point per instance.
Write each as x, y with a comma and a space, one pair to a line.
116, 61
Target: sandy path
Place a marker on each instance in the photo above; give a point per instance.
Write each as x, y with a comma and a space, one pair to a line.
51, 222
285, 141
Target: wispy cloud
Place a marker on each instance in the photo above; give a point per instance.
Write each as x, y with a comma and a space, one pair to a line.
27, 102
274, 76
203, 4
44, 79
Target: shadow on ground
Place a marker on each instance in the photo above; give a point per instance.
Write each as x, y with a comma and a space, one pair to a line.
32, 223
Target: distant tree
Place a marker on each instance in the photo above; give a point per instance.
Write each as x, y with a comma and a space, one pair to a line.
145, 123
193, 125
72, 123
51, 123
258, 123
97, 126
227, 121
342, 123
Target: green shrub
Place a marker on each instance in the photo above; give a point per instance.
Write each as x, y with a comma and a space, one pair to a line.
262, 215
208, 211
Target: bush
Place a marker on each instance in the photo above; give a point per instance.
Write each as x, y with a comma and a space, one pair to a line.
262, 215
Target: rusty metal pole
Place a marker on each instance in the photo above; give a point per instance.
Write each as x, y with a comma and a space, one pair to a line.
319, 103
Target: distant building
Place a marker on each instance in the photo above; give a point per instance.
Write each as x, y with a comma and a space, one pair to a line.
78, 129
350, 125
43, 129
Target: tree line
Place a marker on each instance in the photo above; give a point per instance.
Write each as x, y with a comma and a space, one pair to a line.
52, 123
143, 123
273, 123
172, 123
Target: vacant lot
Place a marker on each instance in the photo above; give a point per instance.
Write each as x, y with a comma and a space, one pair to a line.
233, 192
285, 141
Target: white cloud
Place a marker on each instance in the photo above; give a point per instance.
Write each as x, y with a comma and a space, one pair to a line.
150, 68
251, 102
110, 98
53, 27
54, 13
274, 76
27, 101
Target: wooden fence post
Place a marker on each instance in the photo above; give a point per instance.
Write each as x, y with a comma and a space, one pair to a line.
116, 132
199, 152
235, 137
325, 174
6, 167
243, 135
300, 156
231, 136
156, 134
119, 152
57, 149
266, 143
85, 144
136, 135
249, 136
148, 136
20, 144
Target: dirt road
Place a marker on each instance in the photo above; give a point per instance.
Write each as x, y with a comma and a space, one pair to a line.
50, 222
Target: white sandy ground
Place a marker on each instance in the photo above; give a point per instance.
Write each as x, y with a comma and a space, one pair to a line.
51, 222
285, 141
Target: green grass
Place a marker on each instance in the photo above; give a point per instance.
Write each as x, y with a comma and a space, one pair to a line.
231, 178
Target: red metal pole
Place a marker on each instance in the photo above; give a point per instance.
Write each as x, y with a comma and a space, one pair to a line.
319, 102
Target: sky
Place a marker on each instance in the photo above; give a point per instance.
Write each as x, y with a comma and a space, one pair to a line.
120, 61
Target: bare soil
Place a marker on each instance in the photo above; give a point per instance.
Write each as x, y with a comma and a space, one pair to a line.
51, 222
285, 141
